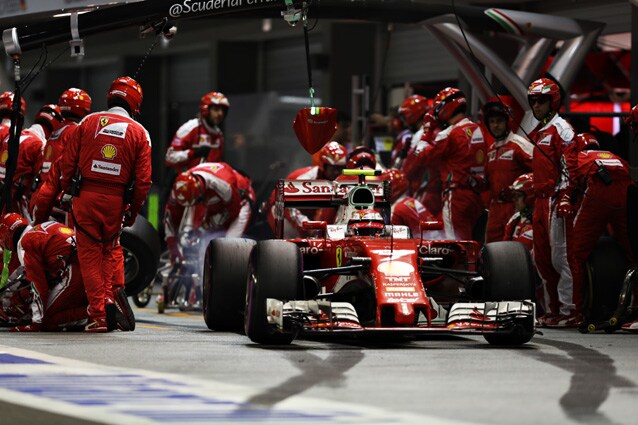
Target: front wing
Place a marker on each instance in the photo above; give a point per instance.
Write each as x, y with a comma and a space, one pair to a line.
314, 317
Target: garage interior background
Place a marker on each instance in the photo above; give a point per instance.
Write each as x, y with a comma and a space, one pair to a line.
260, 65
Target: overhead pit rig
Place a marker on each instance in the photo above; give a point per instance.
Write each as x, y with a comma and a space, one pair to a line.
461, 29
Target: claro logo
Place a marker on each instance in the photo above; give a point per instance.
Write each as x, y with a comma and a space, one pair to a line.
434, 250
192, 6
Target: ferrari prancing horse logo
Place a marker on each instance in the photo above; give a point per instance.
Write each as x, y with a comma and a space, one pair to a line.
339, 255
104, 121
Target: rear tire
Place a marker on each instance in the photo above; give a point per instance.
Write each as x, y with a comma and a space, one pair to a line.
275, 272
224, 279
507, 271
141, 247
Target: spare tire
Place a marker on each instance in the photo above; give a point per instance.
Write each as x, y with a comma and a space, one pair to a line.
606, 269
141, 247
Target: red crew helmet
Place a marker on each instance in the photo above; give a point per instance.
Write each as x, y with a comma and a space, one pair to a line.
6, 103
76, 102
210, 99
548, 88
361, 156
413, 108
50, 116
9, 223
632, 119
187, 189
448, 102
495, 106
398, 183
586, 141
129, 91
333, 153
525, 184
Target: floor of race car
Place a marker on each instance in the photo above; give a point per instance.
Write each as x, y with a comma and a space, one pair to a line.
173, 370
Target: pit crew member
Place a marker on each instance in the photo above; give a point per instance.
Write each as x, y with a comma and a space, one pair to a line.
110, 154
554, 165
507, 158
212, 196
200, 139
32, 140
459, 150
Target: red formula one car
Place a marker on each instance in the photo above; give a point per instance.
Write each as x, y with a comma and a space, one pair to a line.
364, 276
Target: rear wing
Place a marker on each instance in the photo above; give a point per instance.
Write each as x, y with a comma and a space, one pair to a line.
315, 194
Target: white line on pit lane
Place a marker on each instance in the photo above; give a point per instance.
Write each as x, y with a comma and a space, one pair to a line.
113, 395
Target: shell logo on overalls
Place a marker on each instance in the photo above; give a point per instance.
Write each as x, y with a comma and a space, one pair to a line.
108, 151
66, 231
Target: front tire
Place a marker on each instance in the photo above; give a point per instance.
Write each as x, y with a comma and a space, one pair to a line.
225, 276
274, 272
518, 335
507, 271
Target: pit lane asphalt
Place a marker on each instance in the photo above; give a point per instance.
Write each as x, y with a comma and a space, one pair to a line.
560, 377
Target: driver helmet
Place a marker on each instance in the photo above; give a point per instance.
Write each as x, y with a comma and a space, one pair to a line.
368, 222
10, 223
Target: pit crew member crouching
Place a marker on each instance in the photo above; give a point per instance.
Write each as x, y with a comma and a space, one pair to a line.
59, 302
211, 196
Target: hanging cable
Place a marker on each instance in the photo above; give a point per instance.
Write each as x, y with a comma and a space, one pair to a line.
27, 81
304, 18
150, 49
